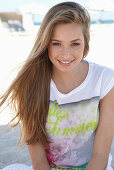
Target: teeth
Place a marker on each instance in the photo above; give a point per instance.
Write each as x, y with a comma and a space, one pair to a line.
65, 62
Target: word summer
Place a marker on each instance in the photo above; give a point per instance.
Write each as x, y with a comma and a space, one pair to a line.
73, 131
56, 115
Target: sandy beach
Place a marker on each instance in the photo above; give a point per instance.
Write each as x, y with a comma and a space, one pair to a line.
14, 49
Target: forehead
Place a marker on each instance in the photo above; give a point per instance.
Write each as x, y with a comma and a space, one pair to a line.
67, 30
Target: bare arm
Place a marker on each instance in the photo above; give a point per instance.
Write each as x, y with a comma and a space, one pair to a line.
38, 157
104, 134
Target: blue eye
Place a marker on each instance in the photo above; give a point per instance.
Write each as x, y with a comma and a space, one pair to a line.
56, 44
75, 44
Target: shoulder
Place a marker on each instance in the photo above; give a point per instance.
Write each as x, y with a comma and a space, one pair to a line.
100, 69
102, 76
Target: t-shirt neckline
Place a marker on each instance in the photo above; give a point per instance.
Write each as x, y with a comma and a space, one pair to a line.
83, 84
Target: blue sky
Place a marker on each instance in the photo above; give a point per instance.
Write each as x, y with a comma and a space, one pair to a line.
12, 5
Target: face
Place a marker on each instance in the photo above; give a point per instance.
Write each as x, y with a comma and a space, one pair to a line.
66, 47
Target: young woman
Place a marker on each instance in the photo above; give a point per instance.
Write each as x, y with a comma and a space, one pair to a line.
64, 103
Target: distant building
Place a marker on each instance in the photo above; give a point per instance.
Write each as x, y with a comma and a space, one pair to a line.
5, 16
17, 21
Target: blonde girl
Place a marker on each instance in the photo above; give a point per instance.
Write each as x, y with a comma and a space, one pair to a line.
65, 104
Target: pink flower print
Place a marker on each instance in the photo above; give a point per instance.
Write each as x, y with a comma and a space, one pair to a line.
53, 152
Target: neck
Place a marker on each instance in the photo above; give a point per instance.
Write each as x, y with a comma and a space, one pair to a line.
66, 81
67, 78
63, 77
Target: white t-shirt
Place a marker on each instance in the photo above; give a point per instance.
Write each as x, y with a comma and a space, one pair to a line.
73, 117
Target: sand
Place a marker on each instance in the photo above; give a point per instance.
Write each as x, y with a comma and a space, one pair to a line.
14, 49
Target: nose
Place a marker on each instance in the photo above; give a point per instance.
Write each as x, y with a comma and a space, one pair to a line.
66, 53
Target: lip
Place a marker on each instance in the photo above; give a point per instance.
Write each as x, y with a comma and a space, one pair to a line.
65, 64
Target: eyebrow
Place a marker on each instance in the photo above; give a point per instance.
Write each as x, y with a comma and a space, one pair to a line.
71, 41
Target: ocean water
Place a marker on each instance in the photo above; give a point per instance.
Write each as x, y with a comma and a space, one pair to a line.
102, 21
92, 22
103, 16
37, 23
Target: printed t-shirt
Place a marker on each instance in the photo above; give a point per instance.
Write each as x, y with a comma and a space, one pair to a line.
73, 118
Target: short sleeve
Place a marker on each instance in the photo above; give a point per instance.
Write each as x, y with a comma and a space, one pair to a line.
107, 81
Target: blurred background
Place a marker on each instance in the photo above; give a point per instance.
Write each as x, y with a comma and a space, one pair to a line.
19, 24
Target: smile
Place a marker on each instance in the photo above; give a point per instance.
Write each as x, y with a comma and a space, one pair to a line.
65, 62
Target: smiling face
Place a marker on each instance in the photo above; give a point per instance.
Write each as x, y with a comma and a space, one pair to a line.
66, 47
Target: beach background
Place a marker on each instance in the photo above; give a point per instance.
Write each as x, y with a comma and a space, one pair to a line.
14, 49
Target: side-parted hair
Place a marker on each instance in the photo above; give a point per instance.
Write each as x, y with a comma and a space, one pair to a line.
29, 93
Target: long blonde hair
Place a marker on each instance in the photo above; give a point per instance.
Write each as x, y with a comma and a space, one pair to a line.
29, 93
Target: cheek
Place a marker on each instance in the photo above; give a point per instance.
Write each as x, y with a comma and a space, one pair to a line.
51, 53
80, 49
